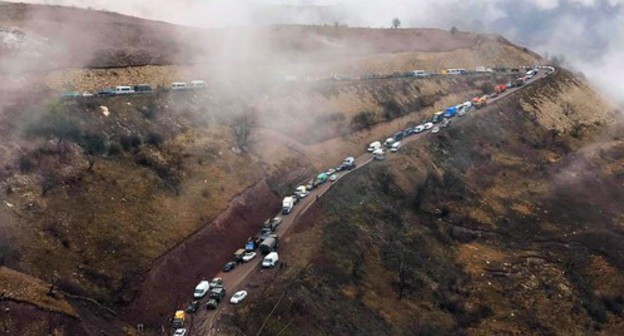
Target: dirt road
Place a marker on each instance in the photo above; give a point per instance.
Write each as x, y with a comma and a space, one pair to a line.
204, 320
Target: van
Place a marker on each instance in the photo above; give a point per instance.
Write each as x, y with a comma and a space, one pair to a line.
270, 260
388, 143
202, 289
395, 146
374, 146
178, 86
287, 205
419, 73
198, 84
379, 154
123, 90
455, 71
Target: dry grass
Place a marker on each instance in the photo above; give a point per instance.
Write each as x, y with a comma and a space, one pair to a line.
25, 288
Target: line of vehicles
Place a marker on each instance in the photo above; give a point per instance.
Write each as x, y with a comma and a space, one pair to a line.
266, 240
199, 84
135, 89
443, 118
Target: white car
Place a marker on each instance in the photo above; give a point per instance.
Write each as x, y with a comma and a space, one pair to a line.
428, 125
435, 129
238, 297
248, 256
180, 332
331, 171
419, 129
333, 177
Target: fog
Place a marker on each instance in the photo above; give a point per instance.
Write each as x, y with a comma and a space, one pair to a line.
588, 34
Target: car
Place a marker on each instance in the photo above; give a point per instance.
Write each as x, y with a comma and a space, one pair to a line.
238, 297
216, 282
71, 94
180, 332
106, 92
341, 167
428, 126
331, 171
249, 256
192, 307
419, 129
435, 130
398, 135
87, 94
461, 112
229, 266
333, 177
395, 147
445, 123
212, 304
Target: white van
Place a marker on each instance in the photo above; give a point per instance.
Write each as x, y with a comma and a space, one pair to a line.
379, 154
198, 84
455, 71
419, 73
270, 260
389, 142
287, 205
374, 146
178, 86
395, 146
122, 89
202, 289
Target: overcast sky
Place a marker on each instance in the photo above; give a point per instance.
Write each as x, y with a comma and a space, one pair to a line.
589, 33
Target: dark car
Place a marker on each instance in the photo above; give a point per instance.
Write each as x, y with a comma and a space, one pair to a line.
212, 304
192, 307
142, 88
106, 92
398, 136
229, 266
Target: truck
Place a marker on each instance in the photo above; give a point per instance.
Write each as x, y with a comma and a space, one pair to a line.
519, 82
302, 191
379, 154
437, 117
273, 223
217, 293
450, 112
481, 102
270, 260
238, 255
178, 319
500, 88
349, 163
374, 146
287, 205
269, 245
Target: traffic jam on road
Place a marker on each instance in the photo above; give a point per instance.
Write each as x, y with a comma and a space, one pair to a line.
266, 242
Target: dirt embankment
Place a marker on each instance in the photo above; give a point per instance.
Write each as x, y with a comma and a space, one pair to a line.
169, 283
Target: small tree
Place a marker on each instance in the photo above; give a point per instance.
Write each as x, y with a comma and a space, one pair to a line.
59, 124
454, 30
396, 23
242, 128
94, 145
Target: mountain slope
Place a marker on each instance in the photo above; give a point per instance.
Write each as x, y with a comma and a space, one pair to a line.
502, 224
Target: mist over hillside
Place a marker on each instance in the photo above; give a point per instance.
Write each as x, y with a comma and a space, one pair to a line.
587, 34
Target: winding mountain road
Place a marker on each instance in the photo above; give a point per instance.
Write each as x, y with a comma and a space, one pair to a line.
203, 321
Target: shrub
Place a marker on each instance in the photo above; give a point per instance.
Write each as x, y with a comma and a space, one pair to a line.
363, 120
26, 165
130, 142
154, 139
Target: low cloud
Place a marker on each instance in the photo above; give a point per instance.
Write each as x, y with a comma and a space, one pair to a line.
587, 33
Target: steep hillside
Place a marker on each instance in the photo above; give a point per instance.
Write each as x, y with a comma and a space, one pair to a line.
509, 222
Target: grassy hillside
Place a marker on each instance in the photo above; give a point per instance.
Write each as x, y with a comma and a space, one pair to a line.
503, 224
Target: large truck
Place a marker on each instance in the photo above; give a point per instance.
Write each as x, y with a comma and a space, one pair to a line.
437, 117
269, 245
287, 205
